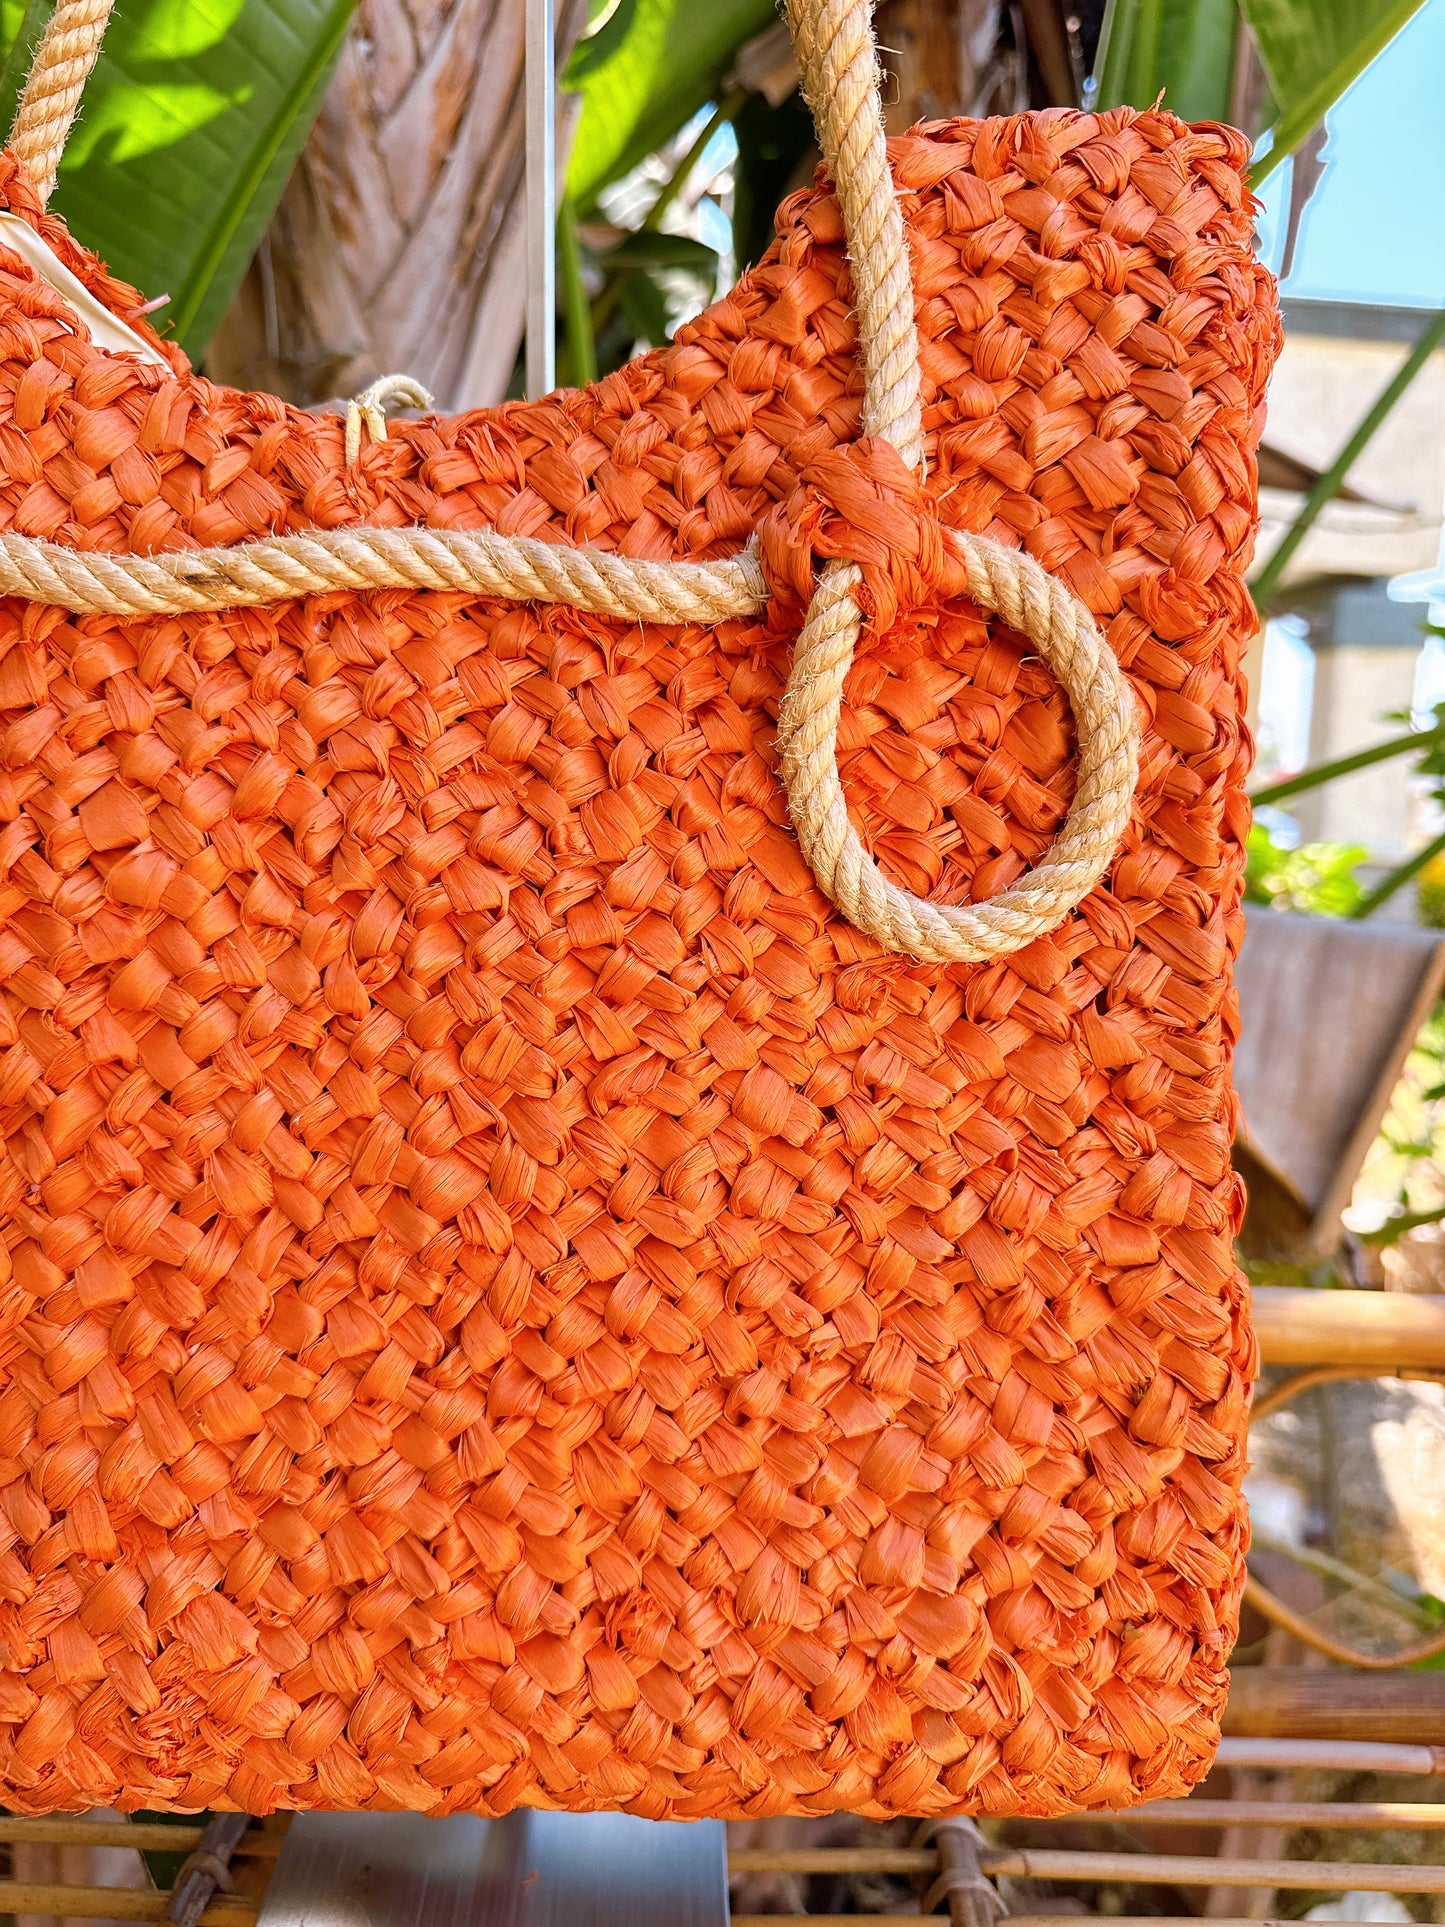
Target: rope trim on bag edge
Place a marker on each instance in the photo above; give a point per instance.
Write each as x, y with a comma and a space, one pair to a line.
838, 59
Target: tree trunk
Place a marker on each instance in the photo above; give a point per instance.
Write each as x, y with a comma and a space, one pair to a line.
398, 246
941, 58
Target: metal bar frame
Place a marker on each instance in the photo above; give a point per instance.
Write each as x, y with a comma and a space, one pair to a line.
541, 105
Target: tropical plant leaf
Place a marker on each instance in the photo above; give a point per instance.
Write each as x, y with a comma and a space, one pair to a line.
1312, 50
645, 305
1182, 48
164, 1868
644, 73
1317, 879
190, 125
21, 24
771, 143
647, 248
601, 41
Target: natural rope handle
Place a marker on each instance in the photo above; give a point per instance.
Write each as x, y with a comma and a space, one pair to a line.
53, 87
839, 63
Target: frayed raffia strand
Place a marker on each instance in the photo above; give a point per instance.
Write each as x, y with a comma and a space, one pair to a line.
53, 87
839, 63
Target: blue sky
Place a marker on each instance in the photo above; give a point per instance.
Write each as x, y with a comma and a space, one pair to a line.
1375, 227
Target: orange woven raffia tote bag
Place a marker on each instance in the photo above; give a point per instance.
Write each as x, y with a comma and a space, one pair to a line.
615, 1020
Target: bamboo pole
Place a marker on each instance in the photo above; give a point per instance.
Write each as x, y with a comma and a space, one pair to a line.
1400, 1816
145, 1836
1378, 1331
1205, 1870
1280, 1613
1014, 1920
1387, 1816
1136, 1869
1331, 1756
115, 1903
852, 1920
1305, 1703
899, 1860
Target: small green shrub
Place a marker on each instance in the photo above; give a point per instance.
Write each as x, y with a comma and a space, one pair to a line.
1320, 878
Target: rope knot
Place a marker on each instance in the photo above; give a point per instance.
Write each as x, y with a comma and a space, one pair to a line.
860, 504
368, 410
856, 543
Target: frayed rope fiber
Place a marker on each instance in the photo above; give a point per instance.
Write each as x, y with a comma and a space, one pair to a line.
615, 1022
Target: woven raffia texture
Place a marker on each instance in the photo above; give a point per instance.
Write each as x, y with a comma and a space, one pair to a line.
511, 1298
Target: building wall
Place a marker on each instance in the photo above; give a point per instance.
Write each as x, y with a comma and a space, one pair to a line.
1335, 362
1354, 688
1321, 387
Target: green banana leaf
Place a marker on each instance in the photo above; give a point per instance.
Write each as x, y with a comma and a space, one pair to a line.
1184, 48
189, 127
21, 24
1311, 51
645, 248
643, 75
643, 259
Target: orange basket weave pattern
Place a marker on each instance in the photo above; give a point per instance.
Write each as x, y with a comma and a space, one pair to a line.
510, 1298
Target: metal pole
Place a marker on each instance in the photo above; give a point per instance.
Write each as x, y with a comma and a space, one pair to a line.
541, 200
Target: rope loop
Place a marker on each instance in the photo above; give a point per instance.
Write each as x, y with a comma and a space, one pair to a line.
368, 409
839, 64
838, 60
1010, 584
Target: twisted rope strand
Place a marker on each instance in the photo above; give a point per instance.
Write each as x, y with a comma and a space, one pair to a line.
839, 64
1012, 585
473, 561
53, 87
